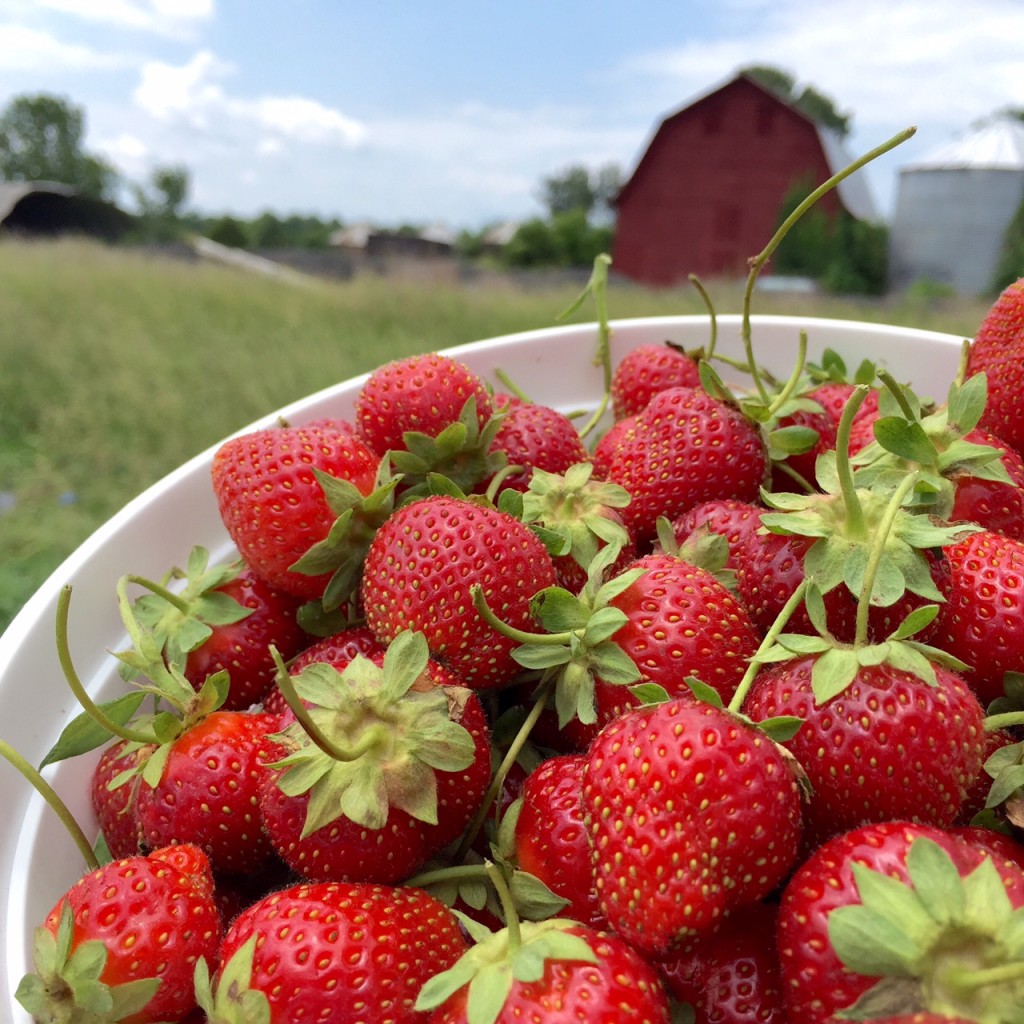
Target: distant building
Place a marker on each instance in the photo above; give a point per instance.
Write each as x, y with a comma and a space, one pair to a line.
364, 240
47, 208
707, 193
953, 207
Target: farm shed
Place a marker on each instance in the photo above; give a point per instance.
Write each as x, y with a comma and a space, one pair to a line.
48, 208
707, 192
953, 207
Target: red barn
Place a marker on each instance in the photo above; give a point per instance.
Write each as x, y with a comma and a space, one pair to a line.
707, 192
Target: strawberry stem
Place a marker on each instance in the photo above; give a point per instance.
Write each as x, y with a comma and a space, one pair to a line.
856, 526
508, 907
161, 591
898, 393
993, 723
512, 632
877, 553
49, 794
76, 685
454, 873
794, 378
709, 352
754, 665
969, 980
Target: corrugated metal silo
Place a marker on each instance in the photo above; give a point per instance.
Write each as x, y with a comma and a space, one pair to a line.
953, 207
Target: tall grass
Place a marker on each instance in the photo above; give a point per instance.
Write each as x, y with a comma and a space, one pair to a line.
117, 366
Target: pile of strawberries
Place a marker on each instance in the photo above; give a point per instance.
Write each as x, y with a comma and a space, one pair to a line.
713, 717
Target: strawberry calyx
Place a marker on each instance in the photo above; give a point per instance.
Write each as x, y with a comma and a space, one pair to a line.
932, 443
183, 620
369, 738
944, 943
519, 952
343, 551
68, 985
231, 999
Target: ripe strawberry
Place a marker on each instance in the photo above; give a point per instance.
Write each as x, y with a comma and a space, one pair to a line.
730, 975
421, 393
616, 437
115, 807
208, 790
399, 767
993, 504
273, 504
122, 943
422, 565
535, 437
331, 951
980, 621
832, 396
890, 745
686, 447
997, 351
848, 932
693, 814
551, 840
554, 971
647, 370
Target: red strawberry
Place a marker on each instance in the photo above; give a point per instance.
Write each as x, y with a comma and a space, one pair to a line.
208, 791
980, 621
555, 971
993, 504
420, 571
693, 814
273, 504
421, 393
332, 951
647, 370
889, 746
731, 975
998, 351
115, 808
551, 840
832, 396
399, 768
686, 447
130, 932
535, 436
616, 437
847, 932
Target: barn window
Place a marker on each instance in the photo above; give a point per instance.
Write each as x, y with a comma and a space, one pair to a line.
765, 118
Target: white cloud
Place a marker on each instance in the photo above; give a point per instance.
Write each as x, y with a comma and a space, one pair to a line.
164, 17
30, 50
303, 119
190, 92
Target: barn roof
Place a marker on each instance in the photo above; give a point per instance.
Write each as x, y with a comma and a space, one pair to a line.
994, 144
47, 207
854, 190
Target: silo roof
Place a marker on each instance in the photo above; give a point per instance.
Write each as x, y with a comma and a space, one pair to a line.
996, 144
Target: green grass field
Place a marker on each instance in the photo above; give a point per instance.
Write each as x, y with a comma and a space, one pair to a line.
118, 366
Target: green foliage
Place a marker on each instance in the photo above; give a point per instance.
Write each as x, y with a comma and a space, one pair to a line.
579, 189
846, 256
160, 204
1011, 259
229, 231
808, 100
567, 240
41, 140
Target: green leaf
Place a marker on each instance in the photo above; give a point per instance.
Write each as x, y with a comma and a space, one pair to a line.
83, 733
966, 402
917, 620
404, 662
603, 624
487, 995
869, 943
906, 439
832, 673
704, 693
782, 728
609, 661
542, 656
938, 884
533, 899
558, 611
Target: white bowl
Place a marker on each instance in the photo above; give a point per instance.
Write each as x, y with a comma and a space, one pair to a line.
157, 530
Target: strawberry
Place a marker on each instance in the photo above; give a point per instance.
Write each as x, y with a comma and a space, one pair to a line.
616, 437
535, 436
901, 918
122, 943
693, 814
996, 351
686, 447
273, 502
208, 791
114, 807
980, 621
420, 393
993, 504
386, 768
551, 840
730, 975
421, 567
647, 370
554, 971
331, 951
889, 745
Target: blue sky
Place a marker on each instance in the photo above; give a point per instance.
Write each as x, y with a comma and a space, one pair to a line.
454, 112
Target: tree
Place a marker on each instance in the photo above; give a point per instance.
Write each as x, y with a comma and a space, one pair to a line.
41, 139
578, 188
816, 105
160, 206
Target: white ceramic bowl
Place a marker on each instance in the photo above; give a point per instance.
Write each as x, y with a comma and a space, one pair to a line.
157, 530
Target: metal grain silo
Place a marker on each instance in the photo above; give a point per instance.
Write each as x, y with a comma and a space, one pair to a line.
953, 207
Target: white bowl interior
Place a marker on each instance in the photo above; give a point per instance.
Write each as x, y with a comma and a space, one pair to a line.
157, 529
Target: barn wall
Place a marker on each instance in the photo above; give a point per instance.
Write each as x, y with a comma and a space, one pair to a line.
948, 225
706, 195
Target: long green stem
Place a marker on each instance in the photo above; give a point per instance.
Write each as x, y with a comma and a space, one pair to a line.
161, 591
757, 262
454, 873
794, 378
854, 511
508, 906
709, 352
49, 794
89, 706
877, 553
512, 632
754, 665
